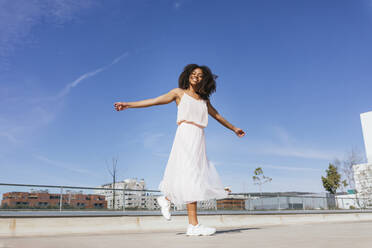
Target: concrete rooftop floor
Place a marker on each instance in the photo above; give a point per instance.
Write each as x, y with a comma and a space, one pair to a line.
327, 235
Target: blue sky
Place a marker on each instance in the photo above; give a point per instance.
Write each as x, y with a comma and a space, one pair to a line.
295, 75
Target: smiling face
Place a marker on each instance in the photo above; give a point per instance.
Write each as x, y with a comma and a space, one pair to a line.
196, 76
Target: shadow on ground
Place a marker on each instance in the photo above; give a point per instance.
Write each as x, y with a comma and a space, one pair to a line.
236, 230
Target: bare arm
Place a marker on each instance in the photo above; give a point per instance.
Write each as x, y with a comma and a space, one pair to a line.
163, 99
214, 113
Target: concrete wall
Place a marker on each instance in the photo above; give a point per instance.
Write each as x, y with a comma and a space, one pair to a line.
50, 226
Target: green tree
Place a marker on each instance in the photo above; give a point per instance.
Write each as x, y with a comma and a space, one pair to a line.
259, 178
332, 181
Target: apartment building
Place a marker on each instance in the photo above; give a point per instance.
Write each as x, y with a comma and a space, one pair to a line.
128, 194
44, 199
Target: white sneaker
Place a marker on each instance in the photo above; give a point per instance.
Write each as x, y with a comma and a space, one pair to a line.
165, 207
199, 230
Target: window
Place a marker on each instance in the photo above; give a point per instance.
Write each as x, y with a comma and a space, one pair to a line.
98, 205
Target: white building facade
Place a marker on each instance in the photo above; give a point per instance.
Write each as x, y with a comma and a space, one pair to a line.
363, 172
129, 194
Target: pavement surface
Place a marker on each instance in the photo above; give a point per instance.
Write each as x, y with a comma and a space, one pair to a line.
327, 235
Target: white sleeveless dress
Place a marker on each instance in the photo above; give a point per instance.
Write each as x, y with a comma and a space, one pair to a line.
189, 176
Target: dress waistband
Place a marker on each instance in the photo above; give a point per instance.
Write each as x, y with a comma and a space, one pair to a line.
190, 122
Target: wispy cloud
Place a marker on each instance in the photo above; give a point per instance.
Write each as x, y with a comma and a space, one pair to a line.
87, 75
161, 154
19, 18
285, 145
20, 122
216, 163
8, 134
177, 4
299, 152
275, 167
290, 168
156, 143
282, 135
63, 165
152, 140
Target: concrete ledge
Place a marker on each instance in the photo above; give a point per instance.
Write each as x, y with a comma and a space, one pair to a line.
51, 226
67, 213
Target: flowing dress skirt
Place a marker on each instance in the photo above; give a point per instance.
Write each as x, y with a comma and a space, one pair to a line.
189, 176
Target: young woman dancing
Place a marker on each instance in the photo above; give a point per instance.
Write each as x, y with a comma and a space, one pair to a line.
189, 176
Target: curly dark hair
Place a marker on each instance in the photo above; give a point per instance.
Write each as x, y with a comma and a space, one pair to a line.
206, 86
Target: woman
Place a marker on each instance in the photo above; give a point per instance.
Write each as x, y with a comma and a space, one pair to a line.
189, 176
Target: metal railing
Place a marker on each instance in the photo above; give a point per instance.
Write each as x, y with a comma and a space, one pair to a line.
72, 198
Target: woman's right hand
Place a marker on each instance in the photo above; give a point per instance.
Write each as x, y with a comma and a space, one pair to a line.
239, 132
121, 106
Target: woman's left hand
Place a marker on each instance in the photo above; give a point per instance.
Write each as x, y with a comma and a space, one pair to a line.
239, 132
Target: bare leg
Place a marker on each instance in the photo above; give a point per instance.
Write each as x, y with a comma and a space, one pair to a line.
191, 211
